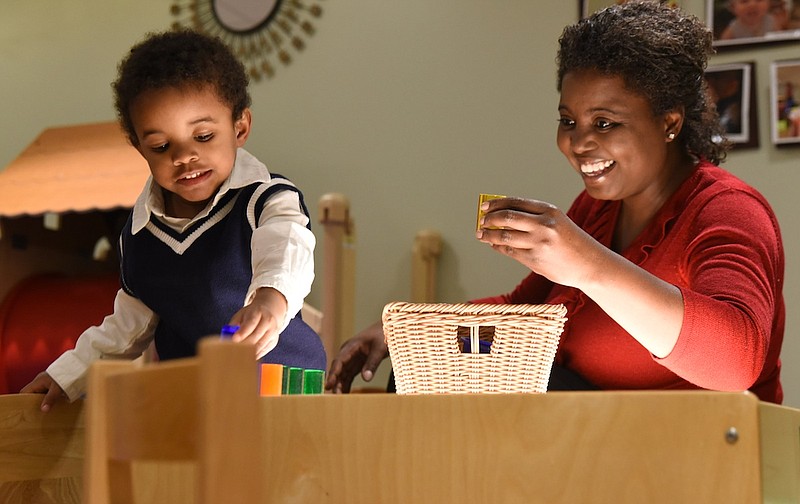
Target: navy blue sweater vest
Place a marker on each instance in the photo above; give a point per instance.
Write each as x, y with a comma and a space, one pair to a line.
196, 280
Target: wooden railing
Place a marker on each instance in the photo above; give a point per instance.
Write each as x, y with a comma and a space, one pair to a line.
597, 447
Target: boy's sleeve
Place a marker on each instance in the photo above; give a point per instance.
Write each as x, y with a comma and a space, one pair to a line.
283, 251
126, 333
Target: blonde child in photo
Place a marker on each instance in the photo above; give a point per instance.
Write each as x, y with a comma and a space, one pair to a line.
752, 19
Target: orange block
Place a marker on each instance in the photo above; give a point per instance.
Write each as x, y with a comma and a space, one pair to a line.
271, 379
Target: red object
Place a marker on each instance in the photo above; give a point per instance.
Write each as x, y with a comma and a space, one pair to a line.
42, 316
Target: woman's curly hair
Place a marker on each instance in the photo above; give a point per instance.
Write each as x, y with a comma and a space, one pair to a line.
661, 53
179, 59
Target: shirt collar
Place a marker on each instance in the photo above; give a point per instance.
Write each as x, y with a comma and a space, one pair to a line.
246, 170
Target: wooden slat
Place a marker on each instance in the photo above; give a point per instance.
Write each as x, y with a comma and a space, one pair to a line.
559, 447
169, 389
230, 426
780, 445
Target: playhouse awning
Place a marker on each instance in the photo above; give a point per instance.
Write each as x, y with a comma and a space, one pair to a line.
73, 169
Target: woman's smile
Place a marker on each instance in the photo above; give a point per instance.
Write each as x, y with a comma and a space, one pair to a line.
597, 168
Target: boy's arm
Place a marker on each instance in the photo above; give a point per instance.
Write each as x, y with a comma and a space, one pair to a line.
126, 333
259, 320
283, 252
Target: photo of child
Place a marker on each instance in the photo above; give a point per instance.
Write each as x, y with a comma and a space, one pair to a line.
785, 102
753, 21
751, 18
732, 90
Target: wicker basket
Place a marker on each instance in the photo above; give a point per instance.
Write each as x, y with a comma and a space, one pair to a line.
424, 346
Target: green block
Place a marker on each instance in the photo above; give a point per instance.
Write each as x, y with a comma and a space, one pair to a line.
313, 381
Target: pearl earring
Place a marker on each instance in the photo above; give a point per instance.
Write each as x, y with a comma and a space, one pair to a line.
671, 136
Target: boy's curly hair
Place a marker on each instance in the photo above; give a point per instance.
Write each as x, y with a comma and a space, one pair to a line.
661, 53
179, 59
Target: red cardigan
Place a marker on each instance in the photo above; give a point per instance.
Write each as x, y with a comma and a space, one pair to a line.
718, 241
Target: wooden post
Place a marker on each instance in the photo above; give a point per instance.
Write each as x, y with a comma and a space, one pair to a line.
426, 252
96, 469
338, 271
230, 465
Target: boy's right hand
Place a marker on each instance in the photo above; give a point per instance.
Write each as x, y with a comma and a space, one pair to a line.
362, 353
44, 384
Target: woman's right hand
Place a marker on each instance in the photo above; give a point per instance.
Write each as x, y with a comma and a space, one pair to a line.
362, 353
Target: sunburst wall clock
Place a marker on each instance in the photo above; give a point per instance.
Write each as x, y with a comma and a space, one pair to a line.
263, 33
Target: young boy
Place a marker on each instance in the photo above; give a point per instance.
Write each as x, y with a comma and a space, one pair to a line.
213, 238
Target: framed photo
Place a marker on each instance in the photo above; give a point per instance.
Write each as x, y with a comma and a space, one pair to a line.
785, 101
739, 22
587, 7
732, 88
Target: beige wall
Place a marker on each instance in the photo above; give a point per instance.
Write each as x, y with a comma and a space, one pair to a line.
410, 108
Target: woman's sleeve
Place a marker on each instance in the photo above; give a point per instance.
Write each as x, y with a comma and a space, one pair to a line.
735, 267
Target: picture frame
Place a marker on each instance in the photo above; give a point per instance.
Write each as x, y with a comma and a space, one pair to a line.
588, 7
778, 22
785, 101
732, 87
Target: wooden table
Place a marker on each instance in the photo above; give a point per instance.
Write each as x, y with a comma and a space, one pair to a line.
570, 447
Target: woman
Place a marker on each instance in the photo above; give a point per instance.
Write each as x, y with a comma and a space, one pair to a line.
671, 268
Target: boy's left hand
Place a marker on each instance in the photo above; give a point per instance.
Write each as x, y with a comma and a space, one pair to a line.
259, 321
